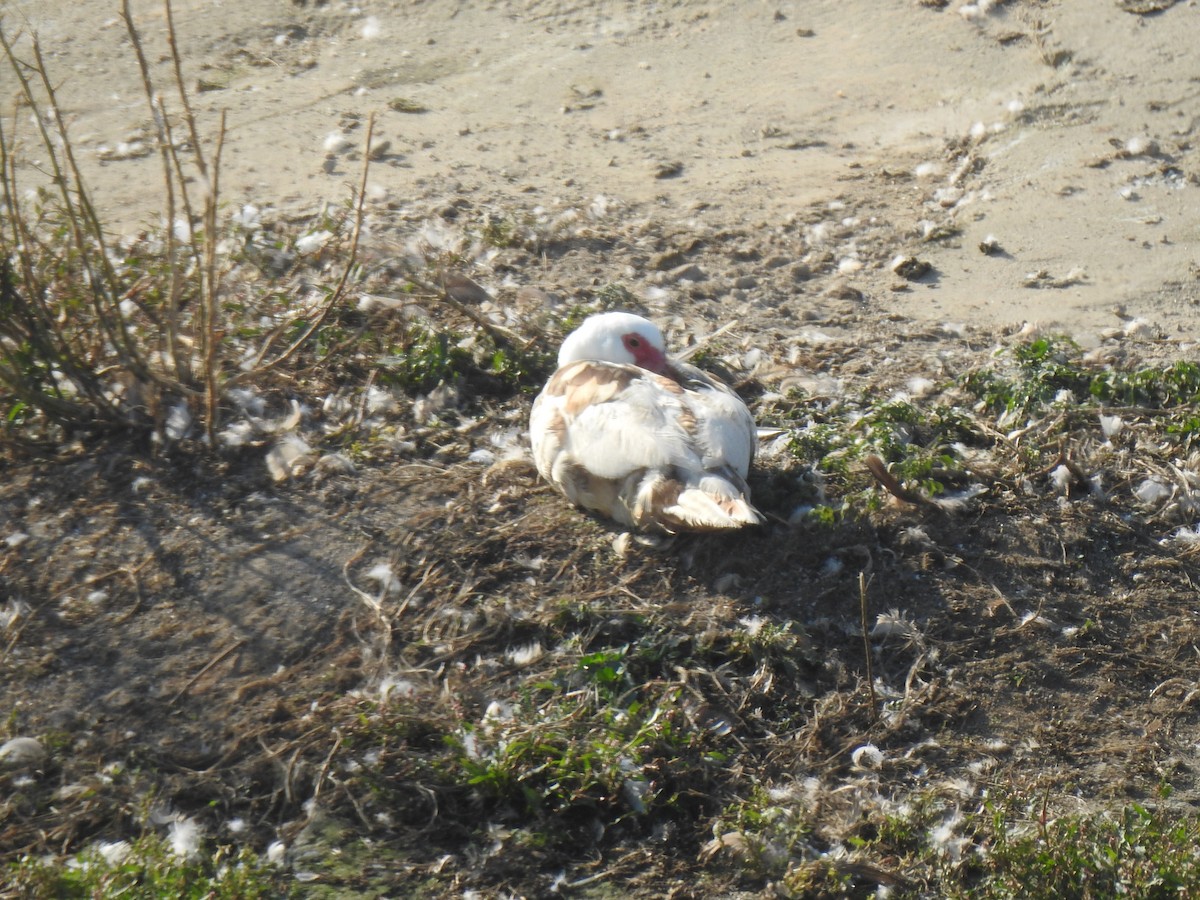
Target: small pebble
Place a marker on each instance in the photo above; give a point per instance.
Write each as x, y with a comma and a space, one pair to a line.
910, 267
667, 169
690, 272
22, 752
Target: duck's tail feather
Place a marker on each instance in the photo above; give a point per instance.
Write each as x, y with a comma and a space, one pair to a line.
714, 505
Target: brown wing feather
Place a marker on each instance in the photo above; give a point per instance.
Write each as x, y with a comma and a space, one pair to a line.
585, 383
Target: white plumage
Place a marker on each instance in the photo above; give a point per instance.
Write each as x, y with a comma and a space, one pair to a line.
654, 444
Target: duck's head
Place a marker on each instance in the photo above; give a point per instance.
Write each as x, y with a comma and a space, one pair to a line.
617, 337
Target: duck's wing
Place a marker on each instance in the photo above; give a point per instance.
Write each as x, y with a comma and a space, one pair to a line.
725, 433
611, 420
642, 448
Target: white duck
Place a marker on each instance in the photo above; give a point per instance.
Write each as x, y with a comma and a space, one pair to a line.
654, 444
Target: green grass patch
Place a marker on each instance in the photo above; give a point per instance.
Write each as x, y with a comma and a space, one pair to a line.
1003, 849
1052, 369
147, 868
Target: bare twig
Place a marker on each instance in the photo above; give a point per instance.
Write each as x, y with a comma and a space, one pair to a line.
212, 662
325, 767
494, 331
170, 163
38, 327
162, 129
866, 636
212, 334
177, 62
202, 251
339, 291
705, 341
102, 287
892, 485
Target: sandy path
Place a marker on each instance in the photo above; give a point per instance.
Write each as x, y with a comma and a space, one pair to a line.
1064, 131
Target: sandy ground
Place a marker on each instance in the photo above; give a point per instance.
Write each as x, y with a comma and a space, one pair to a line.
1060, 136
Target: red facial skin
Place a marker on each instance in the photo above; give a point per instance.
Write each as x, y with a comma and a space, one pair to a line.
645, 354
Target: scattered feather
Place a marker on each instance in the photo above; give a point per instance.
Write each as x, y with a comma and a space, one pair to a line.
1111, 426
179, 422
385, 577
335, 464
498, 711
13, 611
113, 852
335, 142
635, 791
748, 848
1140, 329
920, 387
752, 624
1140, 145
247, 400
184, 835
895, 624
868, 756
1061, 477
370, 28
290, 457
442, 398
963, 788
957, 501
238, 434
1035, 618
1152, 492
945, 840
313, 241
248, 217
524, 656
291, 420
277, 853
391, 686
1188, 536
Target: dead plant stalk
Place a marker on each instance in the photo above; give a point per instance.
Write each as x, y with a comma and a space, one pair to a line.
204, 249
339, 291
866, 636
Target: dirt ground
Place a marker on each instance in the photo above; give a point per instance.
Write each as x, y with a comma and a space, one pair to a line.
184, 628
